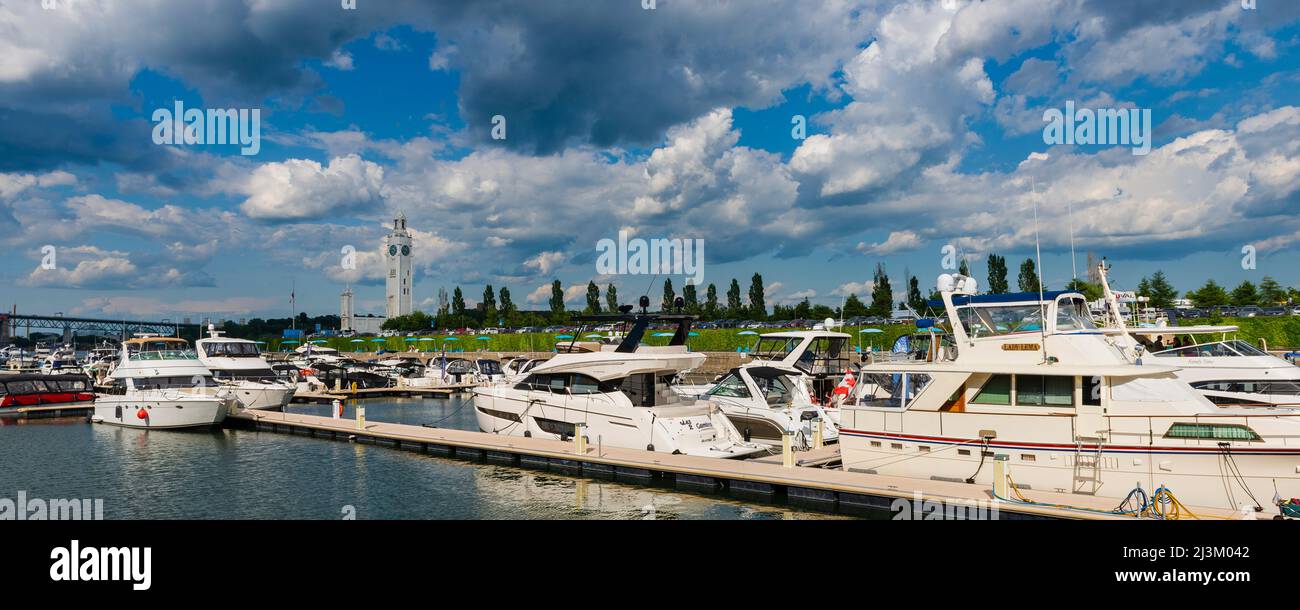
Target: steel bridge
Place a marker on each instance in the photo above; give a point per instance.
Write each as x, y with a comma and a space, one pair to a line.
12, 325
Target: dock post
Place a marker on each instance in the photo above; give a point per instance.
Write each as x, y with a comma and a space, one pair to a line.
338, 408
787, 449
817, 433
1001, 476
580, 438
361, 416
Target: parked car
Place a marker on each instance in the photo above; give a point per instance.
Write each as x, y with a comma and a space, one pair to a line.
1275, 311
1249, 311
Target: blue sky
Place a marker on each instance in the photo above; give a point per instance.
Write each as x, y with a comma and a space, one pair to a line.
924, 129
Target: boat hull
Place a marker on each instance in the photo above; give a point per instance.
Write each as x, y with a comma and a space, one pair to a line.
161, 412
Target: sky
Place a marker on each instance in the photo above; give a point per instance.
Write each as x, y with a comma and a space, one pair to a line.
803, 140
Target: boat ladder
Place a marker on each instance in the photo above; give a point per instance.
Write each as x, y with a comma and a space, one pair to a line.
1087, 466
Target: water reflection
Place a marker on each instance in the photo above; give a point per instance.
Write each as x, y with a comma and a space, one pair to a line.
229, 474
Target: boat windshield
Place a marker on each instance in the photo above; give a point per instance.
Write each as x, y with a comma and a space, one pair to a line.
986, 321
775, 348
161, 350
1221, 349
1073, 314
230, 349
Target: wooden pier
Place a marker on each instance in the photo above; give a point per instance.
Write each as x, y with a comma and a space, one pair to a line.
763, 479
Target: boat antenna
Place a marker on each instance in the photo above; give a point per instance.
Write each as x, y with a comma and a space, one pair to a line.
1069, 211
1038, 250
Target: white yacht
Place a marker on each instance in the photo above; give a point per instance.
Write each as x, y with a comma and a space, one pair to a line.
1034, 382
623, 395
160, 383
62, 360
1228, 371
776, 392
238, 365
447, 371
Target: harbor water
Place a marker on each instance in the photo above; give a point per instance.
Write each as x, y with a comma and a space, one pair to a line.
239, 474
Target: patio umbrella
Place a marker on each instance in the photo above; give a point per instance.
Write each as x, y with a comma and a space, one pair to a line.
484, 339
746, 332
593, 336
867, 331
662, 335
379, 340
563, 336
320, 342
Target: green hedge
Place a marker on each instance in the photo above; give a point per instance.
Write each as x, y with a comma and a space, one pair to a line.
1279, 332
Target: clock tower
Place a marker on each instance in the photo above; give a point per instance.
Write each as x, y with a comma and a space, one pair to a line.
397, 252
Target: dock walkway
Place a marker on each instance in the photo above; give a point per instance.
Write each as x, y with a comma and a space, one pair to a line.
761, 479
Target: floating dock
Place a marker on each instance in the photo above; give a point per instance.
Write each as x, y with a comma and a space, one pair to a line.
331, 396
805, 485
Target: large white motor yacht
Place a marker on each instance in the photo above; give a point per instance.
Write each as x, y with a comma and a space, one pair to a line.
622, 395
238, 364
1033, 381
160, 383
1228, 371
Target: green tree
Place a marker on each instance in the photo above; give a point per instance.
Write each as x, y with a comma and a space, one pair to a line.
458, 305
557, 302
711, 302
803, 310
692, 299
998, 275
1271, 293
1159, 290
669, 295
593, 298
914, 298
964, 268
882, 294
611, 298
757, 304
508, 311
490, 314
854, 307
1209, 295
1245, 294
733, 299
1029, 277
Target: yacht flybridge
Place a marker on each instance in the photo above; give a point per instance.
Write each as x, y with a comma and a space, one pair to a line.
1030, 379
775, 393
238, 364
621, 395
160, 383
1228, 371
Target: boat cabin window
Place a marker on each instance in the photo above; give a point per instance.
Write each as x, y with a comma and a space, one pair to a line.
1073, 314
1003, 320
560, 383
892, 390
825, 355
1029, 391
731, 386
1044, 390
489, 367
996, 391
1216, 432
1281, 387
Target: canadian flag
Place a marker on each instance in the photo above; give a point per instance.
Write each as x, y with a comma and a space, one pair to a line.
845, 387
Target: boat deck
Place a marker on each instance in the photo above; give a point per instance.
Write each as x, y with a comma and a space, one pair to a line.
758, 479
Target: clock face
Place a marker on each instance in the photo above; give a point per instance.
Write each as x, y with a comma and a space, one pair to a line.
392, 250
406, 250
